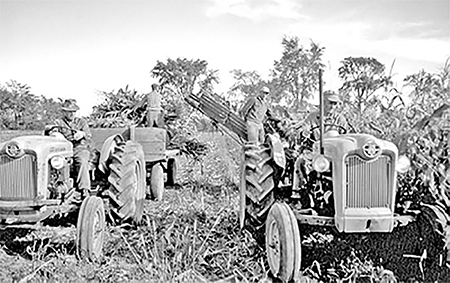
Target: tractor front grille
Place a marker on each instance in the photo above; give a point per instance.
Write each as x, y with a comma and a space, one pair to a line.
18, 177
368, 182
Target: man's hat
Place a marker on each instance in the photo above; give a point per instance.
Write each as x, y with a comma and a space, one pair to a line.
331, 96
265, 89
70, 105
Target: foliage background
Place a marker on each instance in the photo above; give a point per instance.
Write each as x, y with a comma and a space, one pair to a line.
371, 102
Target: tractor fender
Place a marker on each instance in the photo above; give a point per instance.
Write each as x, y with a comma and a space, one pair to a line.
277, 150
107, 148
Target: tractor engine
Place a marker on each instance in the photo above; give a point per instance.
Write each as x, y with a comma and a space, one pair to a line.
354, 180
34, 171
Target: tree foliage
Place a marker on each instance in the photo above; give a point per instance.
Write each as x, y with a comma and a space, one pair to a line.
182, 75
246, 83
295, 75
178, 78
429, 91
117, 109
362, 77
371, 103
23, 110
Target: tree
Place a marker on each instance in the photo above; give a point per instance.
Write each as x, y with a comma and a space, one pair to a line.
362, 77
295, 75
50, 108
429, 91
246, 84
22, 110
117, 109
7, 113
444, 77
178, 78
181, 76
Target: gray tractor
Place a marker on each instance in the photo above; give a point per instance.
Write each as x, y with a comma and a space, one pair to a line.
37, 181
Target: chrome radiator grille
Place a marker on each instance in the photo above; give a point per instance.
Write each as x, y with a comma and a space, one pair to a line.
368, 182
17, 177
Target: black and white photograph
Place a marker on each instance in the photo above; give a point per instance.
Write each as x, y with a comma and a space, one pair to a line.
225, 141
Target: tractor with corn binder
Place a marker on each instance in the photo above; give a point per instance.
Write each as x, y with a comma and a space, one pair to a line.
343, 186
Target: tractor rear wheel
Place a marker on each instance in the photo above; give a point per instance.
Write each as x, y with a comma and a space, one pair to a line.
127, 182
90, 228
283, 246
258, 181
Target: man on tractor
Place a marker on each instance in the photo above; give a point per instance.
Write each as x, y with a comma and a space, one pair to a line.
76, 130
254, 113
334, 121
334, 124
154, 109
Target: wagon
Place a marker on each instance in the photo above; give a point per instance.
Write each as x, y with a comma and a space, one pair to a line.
160, 163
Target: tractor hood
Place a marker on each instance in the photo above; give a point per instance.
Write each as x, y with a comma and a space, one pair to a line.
41, 144
365, 145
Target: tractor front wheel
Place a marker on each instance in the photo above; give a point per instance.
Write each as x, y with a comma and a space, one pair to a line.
90, 228
283, 246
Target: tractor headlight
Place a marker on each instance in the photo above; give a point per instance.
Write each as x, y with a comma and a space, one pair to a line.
14, 149
321, 163
403, 164
57, 162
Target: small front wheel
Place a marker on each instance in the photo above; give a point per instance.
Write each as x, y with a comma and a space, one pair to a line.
157, 182
283, 246
90, 228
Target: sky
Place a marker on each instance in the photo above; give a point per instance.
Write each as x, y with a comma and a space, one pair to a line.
78, 48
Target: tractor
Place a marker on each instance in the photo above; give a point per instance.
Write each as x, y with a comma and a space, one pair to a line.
37, 181
346, 184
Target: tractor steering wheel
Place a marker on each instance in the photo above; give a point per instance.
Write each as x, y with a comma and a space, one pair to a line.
344, 130
49, 129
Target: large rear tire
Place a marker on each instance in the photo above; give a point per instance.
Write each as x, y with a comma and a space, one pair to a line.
127, 182
90, 228
258, 181
283, 245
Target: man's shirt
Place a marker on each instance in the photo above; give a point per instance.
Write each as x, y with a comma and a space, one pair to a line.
154, 101
336, 119
68, 130
255, 110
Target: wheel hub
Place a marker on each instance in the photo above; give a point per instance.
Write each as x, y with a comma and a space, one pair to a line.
274, 253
